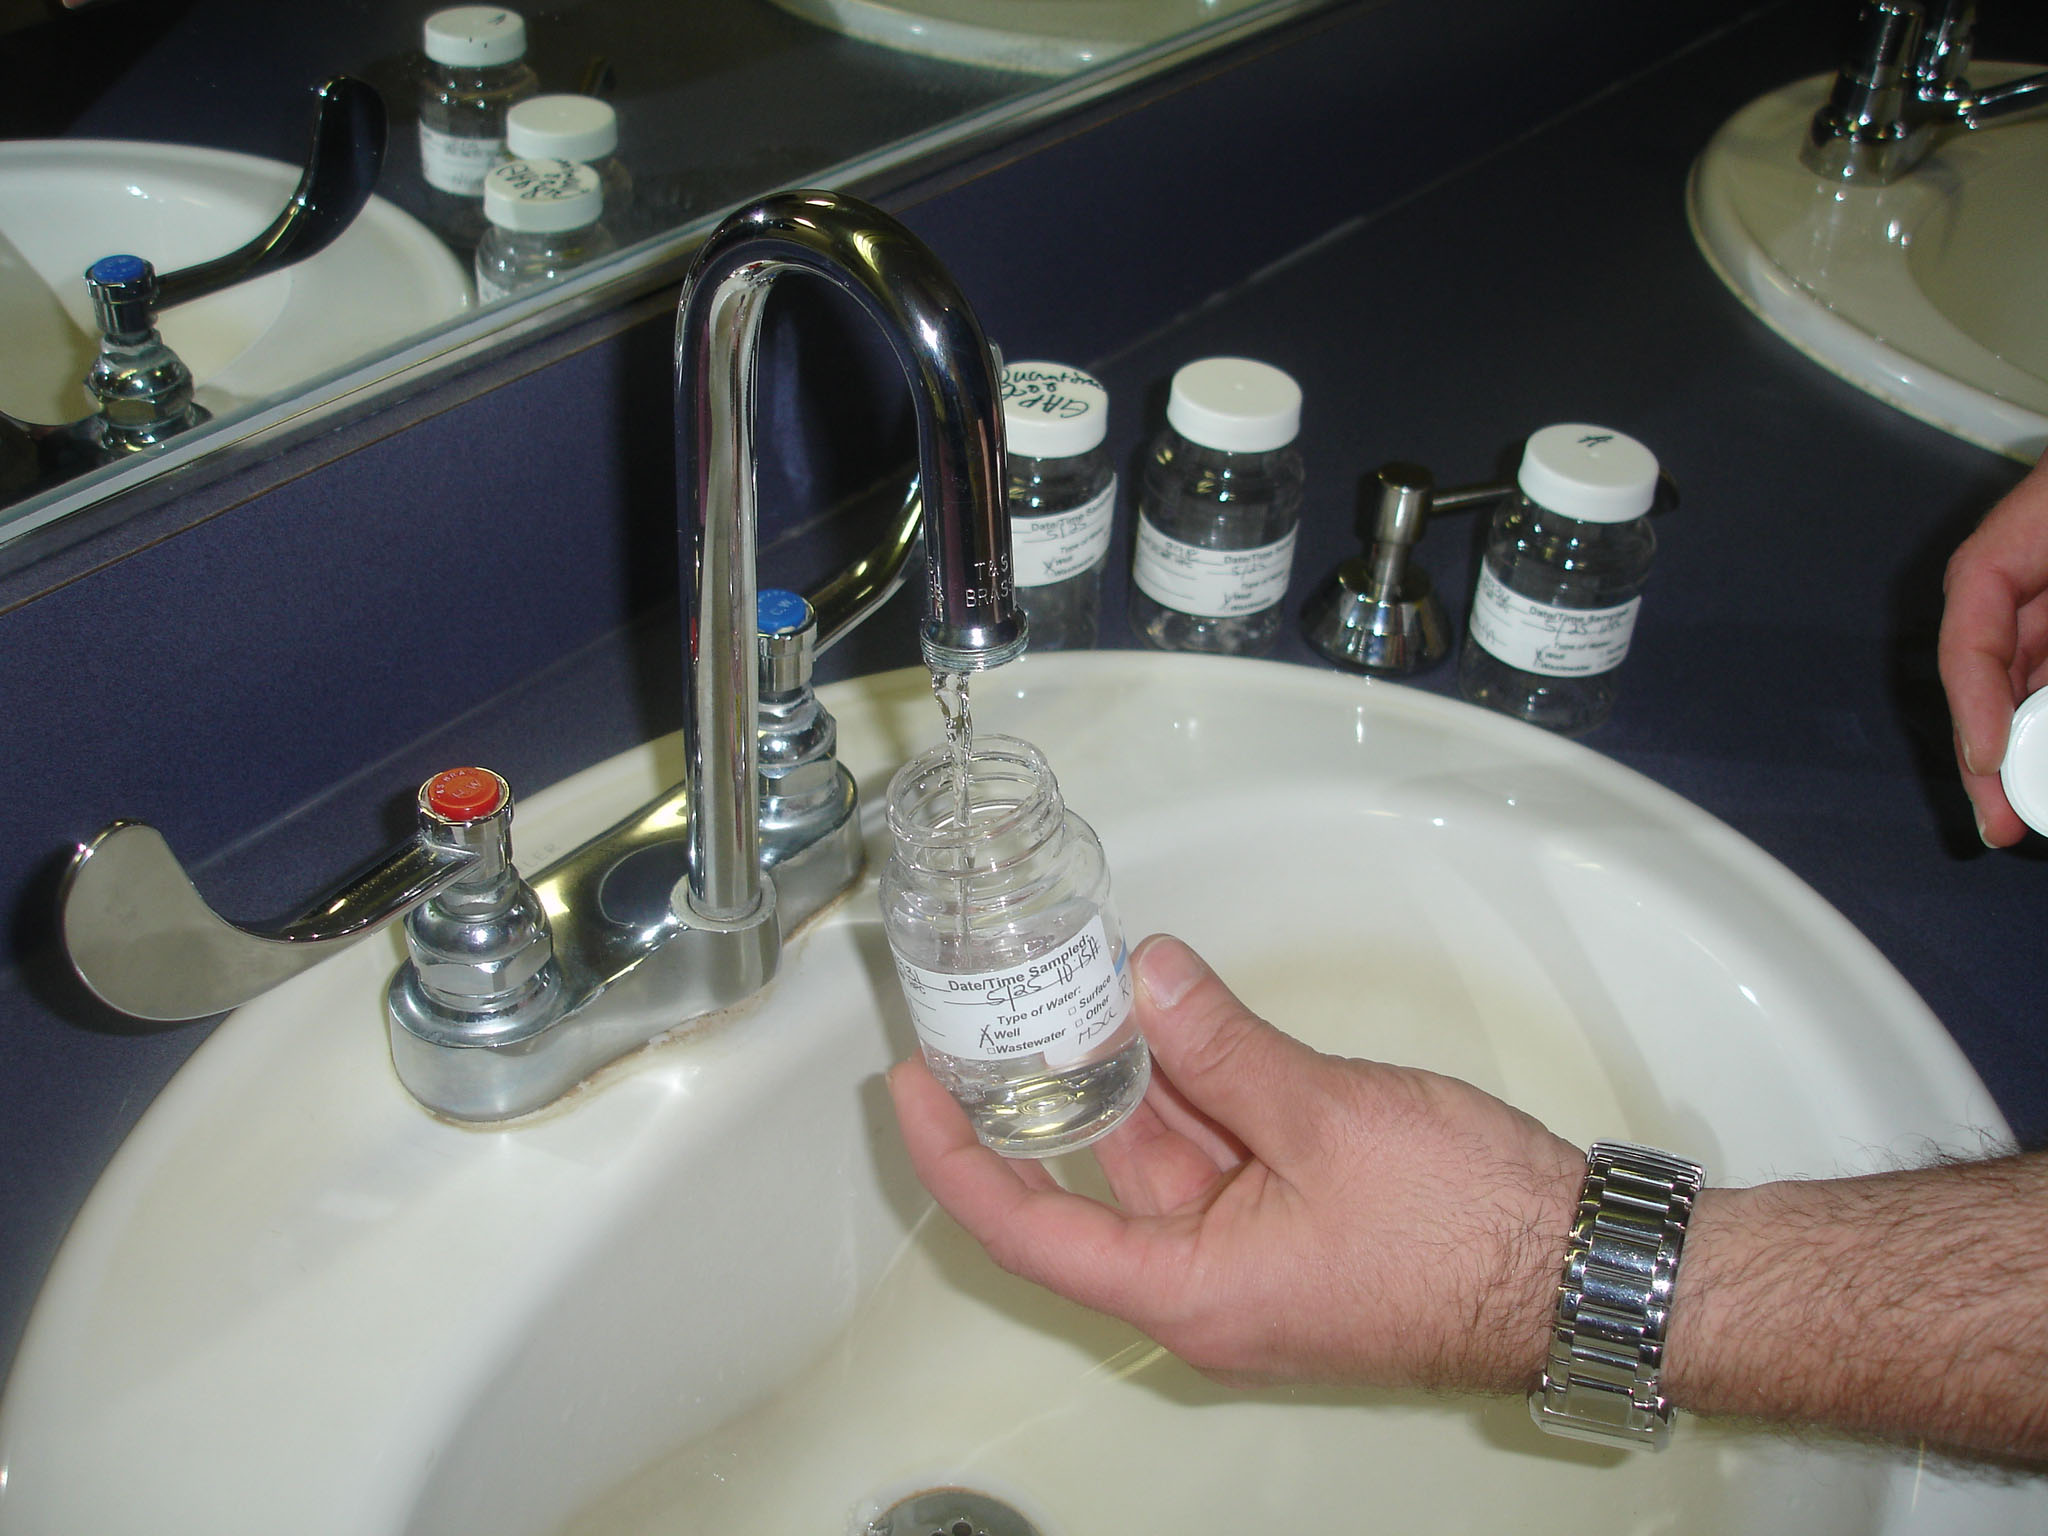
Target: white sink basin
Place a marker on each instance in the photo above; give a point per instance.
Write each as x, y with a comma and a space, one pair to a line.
706, 1295
64, 203
1931, 293
1038, 37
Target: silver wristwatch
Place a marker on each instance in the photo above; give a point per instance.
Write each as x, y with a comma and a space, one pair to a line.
1601, 1381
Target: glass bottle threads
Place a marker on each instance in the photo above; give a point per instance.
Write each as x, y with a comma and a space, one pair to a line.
1562, 580
1010, 952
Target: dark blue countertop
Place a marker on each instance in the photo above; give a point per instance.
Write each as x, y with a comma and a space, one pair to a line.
1782, 675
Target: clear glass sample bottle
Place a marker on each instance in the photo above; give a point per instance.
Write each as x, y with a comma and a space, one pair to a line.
581, 129
1218, 511
1562, 580
546, 218
1062, 496
476, 69
1010, 952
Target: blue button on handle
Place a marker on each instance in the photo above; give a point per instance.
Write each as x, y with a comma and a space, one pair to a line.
777, 611
117, 269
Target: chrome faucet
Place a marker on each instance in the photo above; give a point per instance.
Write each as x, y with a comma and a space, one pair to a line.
514, 992
1901, 87
972, 621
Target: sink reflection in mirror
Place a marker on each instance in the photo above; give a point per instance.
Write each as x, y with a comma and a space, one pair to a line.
719, 102
65, 203
704, 1293
1927, 292
1038, 37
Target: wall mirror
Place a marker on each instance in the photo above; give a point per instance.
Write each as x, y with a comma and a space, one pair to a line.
174, 130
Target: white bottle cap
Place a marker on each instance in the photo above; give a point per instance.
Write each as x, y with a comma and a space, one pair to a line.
1591, 473
578, 128
1234, 404
1051, 411
476, 35
542, 196
2024, 773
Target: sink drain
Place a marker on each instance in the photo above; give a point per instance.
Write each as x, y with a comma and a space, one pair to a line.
950, 1512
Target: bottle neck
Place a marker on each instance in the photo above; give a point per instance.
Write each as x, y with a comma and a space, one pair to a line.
1275, 471
1057, 484
1587, 529
549, 239
1014, 811
506, 74
1261, 457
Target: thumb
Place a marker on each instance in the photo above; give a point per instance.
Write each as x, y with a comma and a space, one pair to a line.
1250, 1078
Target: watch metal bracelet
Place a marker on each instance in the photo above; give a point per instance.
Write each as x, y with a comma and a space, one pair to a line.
1602, 1380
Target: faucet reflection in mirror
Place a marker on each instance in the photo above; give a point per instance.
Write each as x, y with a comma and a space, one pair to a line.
515, 994
142, 391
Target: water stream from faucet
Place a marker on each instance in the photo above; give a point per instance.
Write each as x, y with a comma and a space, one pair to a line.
950, 689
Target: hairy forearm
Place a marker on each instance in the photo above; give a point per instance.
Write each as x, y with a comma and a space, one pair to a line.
1911, 1306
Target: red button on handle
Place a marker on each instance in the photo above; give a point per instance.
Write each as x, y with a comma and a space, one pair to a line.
465, 794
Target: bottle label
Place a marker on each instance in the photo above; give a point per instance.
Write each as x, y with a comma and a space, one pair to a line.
1548, 640
1211, 583
455, 164
1061, 1005
1051, 546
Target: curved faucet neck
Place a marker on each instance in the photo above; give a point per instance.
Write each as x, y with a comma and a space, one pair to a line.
972, 621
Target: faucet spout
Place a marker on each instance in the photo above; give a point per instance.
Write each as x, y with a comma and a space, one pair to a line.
972, 620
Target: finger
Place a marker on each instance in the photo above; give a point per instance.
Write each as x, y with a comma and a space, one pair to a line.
1976, 654
1983, 688
1028, 1224
1152, 1168
1174, 1110
938, 1133
1232, 1066
1990, 583
1998, 824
